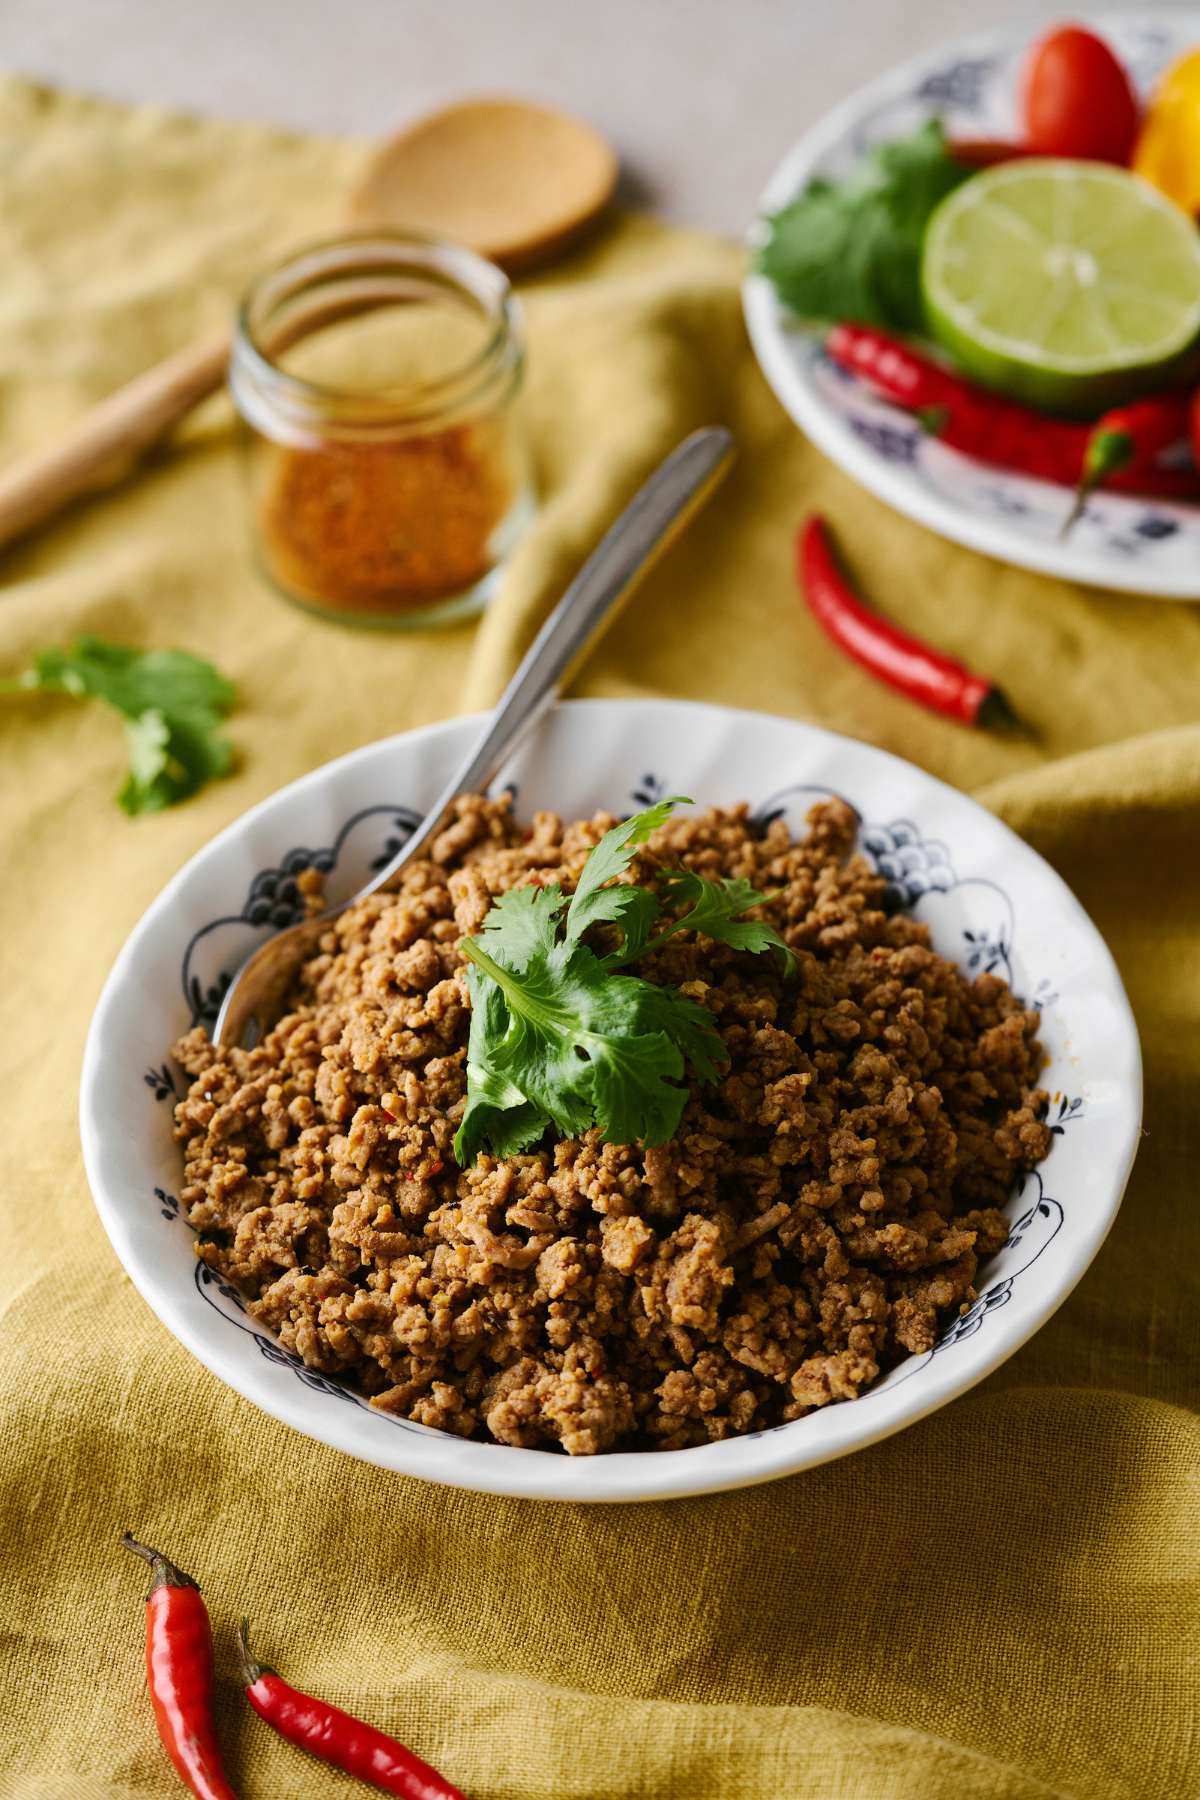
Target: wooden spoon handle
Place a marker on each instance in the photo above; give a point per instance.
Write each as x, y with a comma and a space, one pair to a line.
98, 448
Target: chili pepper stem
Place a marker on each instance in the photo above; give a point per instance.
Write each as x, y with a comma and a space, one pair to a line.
996, 714
1083, 494
252, 1670
166, 1573
1109, 449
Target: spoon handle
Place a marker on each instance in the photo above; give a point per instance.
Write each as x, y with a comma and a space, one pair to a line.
650, 523
98, 448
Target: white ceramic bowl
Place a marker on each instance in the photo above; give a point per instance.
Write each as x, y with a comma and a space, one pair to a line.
990, 901
1140, 546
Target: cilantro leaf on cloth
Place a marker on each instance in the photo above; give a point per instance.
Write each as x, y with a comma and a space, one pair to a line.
558, 1039
172, 703
852, 249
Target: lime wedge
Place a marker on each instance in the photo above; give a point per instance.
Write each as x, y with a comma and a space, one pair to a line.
1070, 285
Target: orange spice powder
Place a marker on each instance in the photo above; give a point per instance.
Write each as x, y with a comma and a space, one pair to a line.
383, 527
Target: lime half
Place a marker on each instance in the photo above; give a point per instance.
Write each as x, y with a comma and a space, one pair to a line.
1070, 285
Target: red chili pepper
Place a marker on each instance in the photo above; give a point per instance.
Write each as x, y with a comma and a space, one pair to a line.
966, 417
1157, 483
894, 368
179, 1668
1127, 439
1009, 436
894, 656
337, 1737
984, 425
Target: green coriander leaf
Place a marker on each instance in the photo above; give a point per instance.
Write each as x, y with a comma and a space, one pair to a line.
636, 913
852, 249
558, 1038
581, 1046
593, 902
168, 760
147, 739
689, 1026
498, 1117
134, 680
522, 921
715, 908
172, 702
633, 1089
540, 1051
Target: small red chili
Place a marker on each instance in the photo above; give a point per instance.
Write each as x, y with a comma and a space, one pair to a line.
893, 656
179, 1668
1157, 483
1029, 443
984, 425
1008, 436
968, 418
894, 368
1128, 438
337, 1737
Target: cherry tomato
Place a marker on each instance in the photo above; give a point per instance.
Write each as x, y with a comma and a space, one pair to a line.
1078, 99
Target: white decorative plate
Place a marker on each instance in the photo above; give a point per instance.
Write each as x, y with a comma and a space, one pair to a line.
991, 902
1139, 546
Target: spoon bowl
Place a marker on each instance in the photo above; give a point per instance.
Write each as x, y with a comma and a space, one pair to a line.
513, 181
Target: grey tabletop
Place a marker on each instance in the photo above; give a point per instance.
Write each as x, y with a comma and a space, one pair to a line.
700, 96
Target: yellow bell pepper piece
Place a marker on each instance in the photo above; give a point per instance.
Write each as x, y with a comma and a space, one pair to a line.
1167, 152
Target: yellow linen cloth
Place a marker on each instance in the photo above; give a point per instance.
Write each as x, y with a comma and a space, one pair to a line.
999, 1602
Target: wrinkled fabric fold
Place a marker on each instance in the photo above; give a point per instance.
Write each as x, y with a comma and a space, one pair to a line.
1001, 1601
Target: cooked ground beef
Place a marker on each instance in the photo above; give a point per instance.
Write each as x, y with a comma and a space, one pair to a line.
821, 1212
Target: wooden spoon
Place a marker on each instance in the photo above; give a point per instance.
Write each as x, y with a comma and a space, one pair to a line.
514, 181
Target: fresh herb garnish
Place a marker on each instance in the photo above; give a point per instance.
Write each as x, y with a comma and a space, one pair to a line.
558, 1037
852, 249
172, 704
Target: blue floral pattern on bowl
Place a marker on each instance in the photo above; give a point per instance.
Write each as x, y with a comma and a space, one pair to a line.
273, 901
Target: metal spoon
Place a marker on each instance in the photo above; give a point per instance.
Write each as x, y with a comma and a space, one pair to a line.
652, 520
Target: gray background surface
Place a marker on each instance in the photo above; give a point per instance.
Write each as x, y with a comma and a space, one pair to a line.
700, 96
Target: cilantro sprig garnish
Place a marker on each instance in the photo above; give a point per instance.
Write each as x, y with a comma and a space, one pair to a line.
559, 1036
171, 701
851, 249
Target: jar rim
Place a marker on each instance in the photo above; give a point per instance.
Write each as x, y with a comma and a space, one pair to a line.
462, 271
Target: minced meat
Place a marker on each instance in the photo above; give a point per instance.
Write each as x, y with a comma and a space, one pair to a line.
821, 1212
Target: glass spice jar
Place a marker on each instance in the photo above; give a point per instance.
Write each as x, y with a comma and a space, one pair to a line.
376, 379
